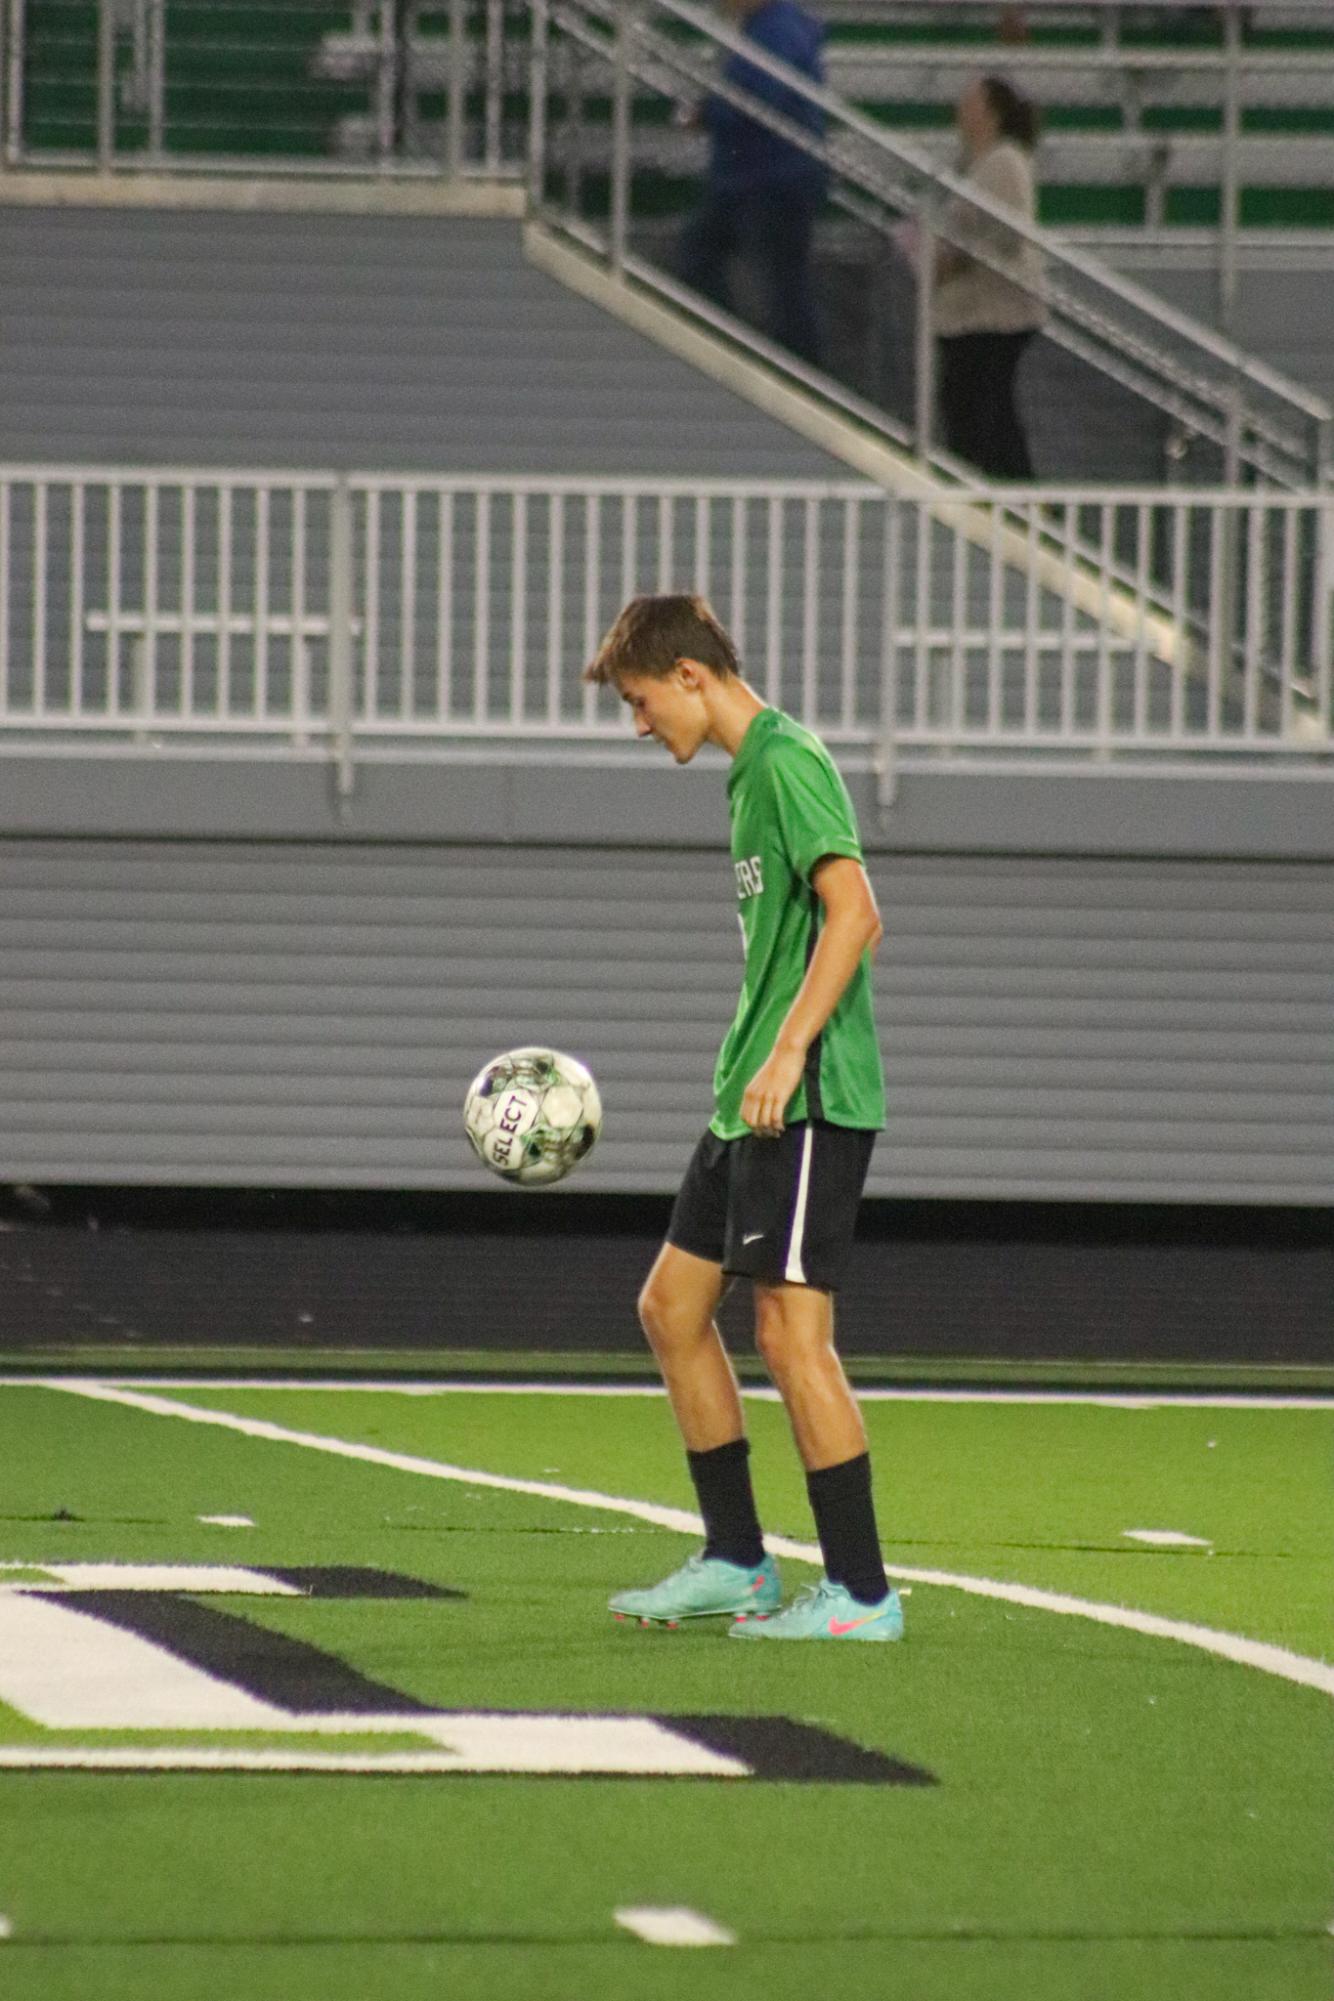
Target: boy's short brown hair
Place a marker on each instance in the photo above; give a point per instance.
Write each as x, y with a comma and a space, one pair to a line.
653, 633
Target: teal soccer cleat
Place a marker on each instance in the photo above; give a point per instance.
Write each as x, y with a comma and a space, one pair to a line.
827, 1611
704, 1588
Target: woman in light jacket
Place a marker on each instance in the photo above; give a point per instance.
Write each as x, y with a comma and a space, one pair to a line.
988, 306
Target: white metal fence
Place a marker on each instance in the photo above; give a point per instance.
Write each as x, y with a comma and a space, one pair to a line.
328, 614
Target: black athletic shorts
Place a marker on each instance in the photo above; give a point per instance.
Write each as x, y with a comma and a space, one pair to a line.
781, 1210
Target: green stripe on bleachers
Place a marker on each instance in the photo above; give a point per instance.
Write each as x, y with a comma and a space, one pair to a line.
240, 83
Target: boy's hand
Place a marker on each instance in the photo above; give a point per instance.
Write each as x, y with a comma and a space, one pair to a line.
770, 1090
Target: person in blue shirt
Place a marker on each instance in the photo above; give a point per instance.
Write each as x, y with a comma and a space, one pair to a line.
762, 191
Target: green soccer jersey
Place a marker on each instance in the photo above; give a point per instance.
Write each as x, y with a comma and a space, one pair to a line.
789, 809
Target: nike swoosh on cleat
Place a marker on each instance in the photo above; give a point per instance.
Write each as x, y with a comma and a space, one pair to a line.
753, 1238
840, 1626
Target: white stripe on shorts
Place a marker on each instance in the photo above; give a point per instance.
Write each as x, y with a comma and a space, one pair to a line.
795, 1270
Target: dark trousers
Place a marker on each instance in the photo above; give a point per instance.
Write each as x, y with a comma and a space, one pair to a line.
773, 233
977, 404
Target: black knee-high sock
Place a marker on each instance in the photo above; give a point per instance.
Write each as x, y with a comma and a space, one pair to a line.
722, 1481
845, 1522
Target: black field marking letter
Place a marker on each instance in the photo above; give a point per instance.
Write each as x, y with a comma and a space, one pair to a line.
290, 1673
233, 1648
320, 1580
776, 1747
171, 1660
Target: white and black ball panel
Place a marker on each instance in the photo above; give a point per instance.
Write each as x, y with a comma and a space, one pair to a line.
532, 1113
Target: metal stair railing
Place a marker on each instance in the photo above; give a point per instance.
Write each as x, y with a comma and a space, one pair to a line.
1227, 76
1263, 426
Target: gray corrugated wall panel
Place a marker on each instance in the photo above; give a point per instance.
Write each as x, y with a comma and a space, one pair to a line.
309, 1014
417, 344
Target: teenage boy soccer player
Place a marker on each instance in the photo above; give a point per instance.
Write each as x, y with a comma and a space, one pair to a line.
772, 1191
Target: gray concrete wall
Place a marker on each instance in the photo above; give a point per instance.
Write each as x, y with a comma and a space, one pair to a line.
563, 795
376, 342
297, 1013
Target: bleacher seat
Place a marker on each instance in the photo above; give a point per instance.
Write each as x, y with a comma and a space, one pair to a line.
1133, 124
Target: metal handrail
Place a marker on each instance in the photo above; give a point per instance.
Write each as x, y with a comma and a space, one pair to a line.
1054, 248
1290, 448
1134, 77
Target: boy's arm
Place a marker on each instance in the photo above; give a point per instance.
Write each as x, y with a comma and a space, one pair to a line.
851, 924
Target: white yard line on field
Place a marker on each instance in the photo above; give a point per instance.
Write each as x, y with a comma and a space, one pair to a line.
1260, 1654
1168, 1538
759, 1392
672, 1924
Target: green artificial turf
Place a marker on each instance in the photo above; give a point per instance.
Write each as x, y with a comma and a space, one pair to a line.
1062, 1483
961, 1969
1115, 1814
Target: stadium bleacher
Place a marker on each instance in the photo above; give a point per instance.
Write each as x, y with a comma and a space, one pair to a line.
1112, 630
1134, 103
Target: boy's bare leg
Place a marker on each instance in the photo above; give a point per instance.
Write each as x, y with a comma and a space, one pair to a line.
676, 1308
794, 1328
732, 1575
794, 1332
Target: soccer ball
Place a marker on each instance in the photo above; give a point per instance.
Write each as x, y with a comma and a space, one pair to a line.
532, 1114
